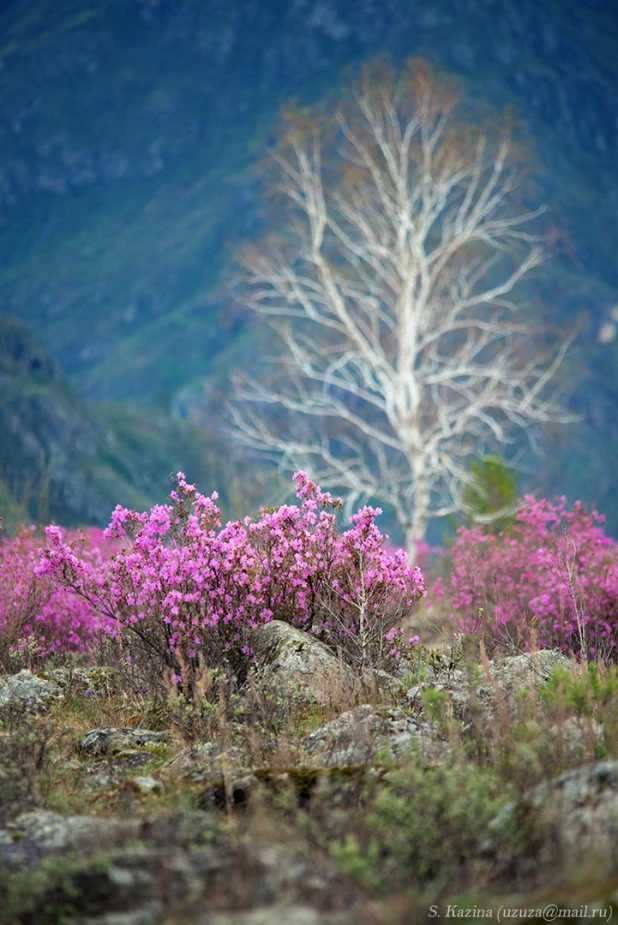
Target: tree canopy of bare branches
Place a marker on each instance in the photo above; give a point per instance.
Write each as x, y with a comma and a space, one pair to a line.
393, 287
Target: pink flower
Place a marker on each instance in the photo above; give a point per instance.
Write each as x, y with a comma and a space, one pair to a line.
196, 587
553, 578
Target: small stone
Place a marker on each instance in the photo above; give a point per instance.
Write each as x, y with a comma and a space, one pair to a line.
147, 785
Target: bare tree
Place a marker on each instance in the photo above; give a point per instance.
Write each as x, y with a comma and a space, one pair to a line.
391, 287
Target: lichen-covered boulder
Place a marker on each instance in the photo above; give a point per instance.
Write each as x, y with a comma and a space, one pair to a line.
569, 822
358, 736
40, 834
29, 692
95, 681
174, 867
300, 665
100, 743
477, 691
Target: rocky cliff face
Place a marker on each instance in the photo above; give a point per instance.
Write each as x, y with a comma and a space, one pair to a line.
129, 131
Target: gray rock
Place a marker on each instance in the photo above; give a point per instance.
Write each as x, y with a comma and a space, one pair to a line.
576, 738
301, 665
99, 743
201, 760
278, 915
571, 820
525, 672
147, 785
152, 914
479, 691
29, 692
357, 736
85, 680
121, 888
139, 872
41, 833
287, 876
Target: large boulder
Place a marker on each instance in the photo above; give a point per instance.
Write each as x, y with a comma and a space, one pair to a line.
27, 691
300, 665
525, 672
42, 834
180, 867
568, 822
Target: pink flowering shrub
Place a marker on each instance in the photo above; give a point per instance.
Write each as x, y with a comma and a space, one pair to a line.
552, 579
38, 617
182, 586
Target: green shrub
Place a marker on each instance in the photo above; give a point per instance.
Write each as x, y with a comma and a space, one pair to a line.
421, 825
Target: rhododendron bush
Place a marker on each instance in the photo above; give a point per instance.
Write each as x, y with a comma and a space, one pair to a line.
551, 580
183, 587
38, 616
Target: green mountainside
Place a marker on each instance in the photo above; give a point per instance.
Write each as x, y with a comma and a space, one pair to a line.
130, 131
66, 459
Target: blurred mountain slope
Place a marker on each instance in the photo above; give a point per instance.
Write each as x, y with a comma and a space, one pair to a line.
66, 459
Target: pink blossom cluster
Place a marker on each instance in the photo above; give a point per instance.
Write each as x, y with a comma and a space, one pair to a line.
551, 579
184, 586
38, 616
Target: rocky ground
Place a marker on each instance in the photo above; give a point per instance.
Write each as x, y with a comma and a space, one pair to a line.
313, 795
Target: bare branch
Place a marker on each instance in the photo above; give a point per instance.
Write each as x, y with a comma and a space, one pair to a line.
394, 294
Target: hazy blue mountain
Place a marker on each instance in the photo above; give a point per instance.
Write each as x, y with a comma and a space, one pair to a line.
129, 130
